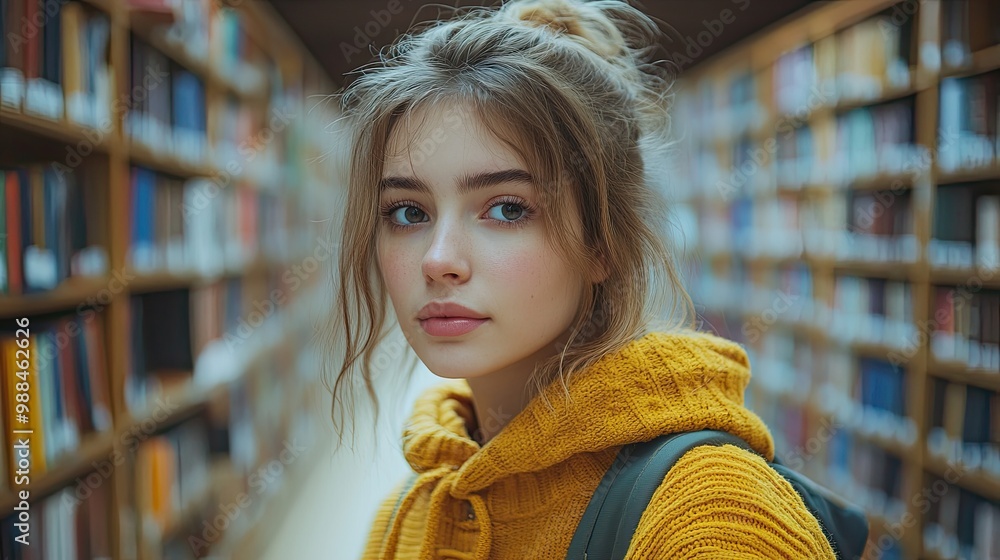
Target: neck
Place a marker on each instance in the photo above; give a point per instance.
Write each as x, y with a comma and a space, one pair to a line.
500, 396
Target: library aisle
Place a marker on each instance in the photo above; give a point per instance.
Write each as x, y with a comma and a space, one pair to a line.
316, 524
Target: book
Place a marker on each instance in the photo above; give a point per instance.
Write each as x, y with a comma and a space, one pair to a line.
171, 475
971, 26
953, 234
68, 375
954, 409
52, 227
63, 526
987, 243
4, 287
23, 418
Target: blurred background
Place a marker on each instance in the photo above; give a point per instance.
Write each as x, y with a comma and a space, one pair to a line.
170, 190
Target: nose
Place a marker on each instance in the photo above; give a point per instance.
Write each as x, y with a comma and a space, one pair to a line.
446, 259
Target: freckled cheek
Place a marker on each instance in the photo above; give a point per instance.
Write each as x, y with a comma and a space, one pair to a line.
524, 274
395, 267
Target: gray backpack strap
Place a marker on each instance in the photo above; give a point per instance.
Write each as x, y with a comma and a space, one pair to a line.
411, 479
613, 514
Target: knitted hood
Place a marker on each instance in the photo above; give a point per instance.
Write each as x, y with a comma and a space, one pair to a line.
660, 383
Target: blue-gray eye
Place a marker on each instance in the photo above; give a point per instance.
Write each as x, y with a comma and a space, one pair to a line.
509, 211
409, 215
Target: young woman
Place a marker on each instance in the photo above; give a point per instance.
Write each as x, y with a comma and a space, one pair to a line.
501, 200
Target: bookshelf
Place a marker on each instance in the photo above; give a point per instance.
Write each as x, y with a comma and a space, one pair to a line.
842, 166
160, 186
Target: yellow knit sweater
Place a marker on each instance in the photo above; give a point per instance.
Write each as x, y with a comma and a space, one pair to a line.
521, 495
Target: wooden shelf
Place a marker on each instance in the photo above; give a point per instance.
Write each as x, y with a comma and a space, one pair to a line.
785, 189
990, 279
66, 296
817, 114
990, 173
874, 350
898, 182
910, 542
875, 269
93, 448
187, 400
162, 281
201, 67
828, 111
756, 261
787, 399
891, 445
982, 61
36, 131
767, 261
106, 6
716, 259
151, 33
195, 510
808, 190
982, 484
928, 555
145, 157
888, 95
959, 373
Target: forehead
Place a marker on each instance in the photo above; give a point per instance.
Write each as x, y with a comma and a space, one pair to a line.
445, 137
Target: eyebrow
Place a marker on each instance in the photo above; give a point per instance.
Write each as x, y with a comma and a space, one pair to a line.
466, 184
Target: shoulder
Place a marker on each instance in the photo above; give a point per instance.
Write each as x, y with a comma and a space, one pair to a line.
726, 502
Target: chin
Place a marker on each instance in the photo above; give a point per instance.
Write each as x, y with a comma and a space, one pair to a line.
450, 362
452, 371
450, 374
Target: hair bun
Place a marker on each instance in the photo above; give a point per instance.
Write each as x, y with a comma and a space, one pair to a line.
578, 19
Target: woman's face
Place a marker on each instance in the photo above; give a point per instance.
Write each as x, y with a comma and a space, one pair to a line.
461, 224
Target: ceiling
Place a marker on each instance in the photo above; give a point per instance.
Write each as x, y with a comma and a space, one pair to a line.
341, 34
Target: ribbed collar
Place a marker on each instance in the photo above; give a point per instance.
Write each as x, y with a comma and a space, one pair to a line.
660, 383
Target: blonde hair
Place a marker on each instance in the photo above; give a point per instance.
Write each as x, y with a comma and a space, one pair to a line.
573, 81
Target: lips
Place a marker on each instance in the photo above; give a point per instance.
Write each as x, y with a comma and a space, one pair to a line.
450, 326
449, 319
